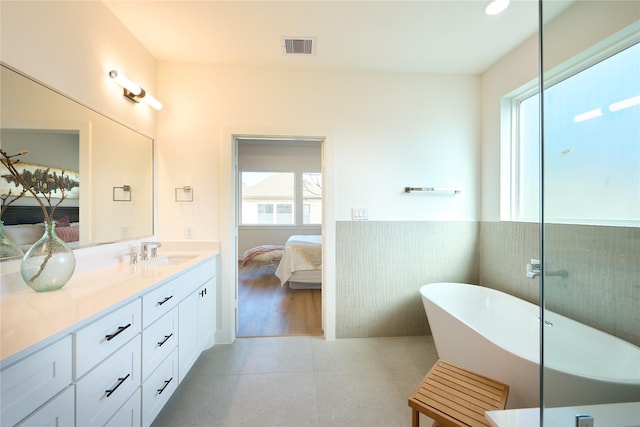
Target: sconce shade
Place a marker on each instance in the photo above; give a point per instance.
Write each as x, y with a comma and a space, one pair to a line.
125, 82
133, 91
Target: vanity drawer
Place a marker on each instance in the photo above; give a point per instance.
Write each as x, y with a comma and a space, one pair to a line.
129, 414
158, 340
31, 382
102, 337
59, 412
159, 387
103, 391
158, 302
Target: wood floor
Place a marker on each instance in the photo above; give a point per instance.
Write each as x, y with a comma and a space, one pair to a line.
267, 309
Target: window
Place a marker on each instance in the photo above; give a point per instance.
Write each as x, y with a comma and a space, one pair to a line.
592, 146
267, 198
311, 198
270, 198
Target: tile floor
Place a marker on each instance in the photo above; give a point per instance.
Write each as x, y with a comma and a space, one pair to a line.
302, 381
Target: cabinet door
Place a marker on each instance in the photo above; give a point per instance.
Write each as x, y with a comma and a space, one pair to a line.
58, 412
188, 349
206, 314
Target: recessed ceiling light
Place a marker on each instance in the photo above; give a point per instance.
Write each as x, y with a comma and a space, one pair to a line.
496, 7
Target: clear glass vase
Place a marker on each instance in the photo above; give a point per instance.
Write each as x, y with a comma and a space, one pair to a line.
49, 263
8, 248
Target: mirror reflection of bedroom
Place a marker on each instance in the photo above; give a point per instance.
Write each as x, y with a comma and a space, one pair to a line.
279, 237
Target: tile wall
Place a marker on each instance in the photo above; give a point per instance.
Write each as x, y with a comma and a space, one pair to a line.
380, 267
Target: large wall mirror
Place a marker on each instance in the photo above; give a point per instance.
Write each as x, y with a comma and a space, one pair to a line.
112, 164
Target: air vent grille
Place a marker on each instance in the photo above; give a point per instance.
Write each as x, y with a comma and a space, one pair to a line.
299, 46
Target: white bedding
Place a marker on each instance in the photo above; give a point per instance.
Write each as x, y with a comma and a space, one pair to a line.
301, 263
25, 235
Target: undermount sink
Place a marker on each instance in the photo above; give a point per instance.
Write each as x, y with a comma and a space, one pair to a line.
169, 259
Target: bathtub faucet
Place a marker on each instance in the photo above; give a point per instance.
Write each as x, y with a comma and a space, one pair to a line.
533, 268
559, 273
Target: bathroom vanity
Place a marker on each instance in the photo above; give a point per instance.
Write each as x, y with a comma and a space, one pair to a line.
110, 347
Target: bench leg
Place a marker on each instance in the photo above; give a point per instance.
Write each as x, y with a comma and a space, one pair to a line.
415, 418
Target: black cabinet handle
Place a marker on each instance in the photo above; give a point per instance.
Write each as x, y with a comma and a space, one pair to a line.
166, 338
120, 381
203, 292
166, 383
116, 333
165, 300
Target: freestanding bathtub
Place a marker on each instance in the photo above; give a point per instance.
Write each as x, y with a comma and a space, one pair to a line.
498, 335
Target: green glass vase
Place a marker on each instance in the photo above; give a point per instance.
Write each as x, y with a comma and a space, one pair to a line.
49, 263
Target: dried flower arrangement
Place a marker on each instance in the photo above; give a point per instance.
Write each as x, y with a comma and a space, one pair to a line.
43, 185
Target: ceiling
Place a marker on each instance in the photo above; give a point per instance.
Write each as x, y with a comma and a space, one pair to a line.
444, 36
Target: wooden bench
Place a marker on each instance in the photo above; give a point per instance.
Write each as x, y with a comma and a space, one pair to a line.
455, 397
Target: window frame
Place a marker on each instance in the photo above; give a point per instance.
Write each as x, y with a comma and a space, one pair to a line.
296, 204
510, 129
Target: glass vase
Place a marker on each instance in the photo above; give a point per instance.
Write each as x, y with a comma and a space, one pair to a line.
8, 249
49, 263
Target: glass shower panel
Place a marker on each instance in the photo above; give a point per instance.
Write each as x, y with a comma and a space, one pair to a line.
590, 210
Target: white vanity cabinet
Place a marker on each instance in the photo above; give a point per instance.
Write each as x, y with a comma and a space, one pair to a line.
197, 320
120, 366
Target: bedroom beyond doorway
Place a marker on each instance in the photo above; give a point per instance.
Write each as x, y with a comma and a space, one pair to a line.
279, 197
269, 309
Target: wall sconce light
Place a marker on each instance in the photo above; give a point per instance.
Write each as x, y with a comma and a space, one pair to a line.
133, 91
122, 194
184, 194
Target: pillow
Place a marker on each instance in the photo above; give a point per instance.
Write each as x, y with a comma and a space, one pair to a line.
63, 222
68, 234
23, 234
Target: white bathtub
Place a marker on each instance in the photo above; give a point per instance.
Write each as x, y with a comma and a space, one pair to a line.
498, 335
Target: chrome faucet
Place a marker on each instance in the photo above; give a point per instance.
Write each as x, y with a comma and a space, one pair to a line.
133, 256
144, 250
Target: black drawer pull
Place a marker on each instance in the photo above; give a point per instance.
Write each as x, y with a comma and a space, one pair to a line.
115, 334
203, 292
166, 383
166, 338
120, 381
165, 300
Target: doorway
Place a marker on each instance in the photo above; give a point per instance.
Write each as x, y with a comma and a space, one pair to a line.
278, 195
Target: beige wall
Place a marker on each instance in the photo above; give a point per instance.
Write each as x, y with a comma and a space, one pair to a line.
71, 46
381, 132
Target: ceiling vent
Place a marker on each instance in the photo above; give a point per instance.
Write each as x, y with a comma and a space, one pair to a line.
299, 45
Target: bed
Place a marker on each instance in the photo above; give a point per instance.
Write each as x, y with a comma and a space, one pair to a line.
301, 263
24, 226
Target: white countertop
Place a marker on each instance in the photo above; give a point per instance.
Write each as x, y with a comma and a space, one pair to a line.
29, 318
607, 415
